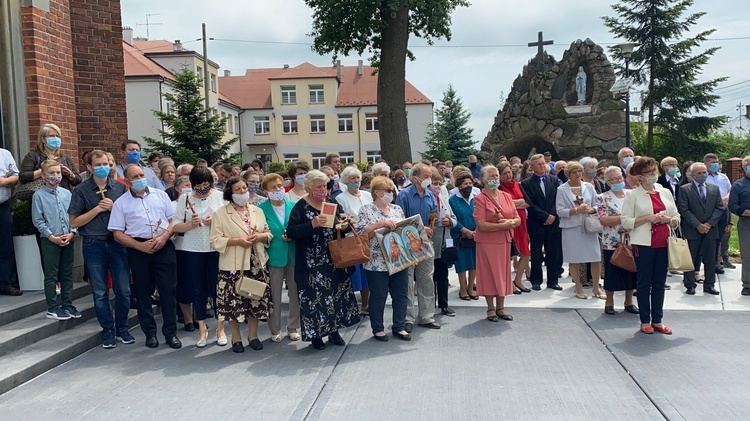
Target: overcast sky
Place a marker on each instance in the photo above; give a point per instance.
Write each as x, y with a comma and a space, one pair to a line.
486, 53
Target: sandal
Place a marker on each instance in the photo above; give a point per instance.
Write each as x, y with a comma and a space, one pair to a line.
600, 295
647, 329
294, 336
473, 297
582, 295
504, 316
464, 297
492, 315
661, 329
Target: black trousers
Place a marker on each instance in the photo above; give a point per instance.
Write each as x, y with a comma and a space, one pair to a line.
8, 276
552, 256
155, 270
440, 277
703, 250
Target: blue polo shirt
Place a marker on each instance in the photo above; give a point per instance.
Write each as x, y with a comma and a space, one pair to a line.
413, 204
739, 196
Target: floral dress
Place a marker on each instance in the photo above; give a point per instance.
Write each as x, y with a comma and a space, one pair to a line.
615, 279
326, 298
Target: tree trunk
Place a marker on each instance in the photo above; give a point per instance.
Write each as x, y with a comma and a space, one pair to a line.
392, 124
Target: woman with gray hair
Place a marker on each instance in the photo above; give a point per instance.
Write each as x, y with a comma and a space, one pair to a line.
381, 169
609, 207
326, 299
590, 165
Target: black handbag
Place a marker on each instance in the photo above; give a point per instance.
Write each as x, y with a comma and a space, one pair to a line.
514, 248
466, 242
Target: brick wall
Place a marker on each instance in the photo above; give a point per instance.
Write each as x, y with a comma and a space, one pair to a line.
48, 62
99, 74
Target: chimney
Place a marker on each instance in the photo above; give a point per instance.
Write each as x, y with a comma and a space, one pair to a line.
359, 67
747, 111
286, 66
338, 69
177, 45
127, 35
227, 73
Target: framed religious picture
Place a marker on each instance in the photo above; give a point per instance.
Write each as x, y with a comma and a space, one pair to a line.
328, 211
405, 246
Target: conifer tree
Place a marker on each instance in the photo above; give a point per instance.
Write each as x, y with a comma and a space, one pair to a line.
450, 138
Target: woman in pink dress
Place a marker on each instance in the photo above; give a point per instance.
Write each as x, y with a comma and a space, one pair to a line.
496, 217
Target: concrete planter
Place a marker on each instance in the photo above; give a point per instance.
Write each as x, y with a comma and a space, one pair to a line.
28, 263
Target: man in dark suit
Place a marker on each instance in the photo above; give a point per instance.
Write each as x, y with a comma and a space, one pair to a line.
540, 192
701, 208
670, 176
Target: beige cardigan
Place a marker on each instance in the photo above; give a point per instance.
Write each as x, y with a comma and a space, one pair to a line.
226, 224
637, 203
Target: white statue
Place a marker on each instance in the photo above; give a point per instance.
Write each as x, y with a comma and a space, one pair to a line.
581, 86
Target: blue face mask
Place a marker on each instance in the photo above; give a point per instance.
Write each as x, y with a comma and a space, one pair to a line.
133, 157
53, 142
140, 184
673, 170
714, 167
101, 171
747, 170
617, 186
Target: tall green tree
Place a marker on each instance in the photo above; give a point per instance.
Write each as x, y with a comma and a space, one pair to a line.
382, 28
666, 64
191, 131
450, 137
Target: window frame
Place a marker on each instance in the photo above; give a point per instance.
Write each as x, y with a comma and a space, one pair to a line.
371, 122
319, 91
291, 95
293, 125
214, 85
318, 160
344, 118
374, 156
290, 157
347, 158
316, 121
262, 119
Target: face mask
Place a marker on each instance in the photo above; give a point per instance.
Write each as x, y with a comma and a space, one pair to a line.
617, 186
714, 167
425, 184
627, 161
330, 184
518, 177
53, 142
700, 178
277, 195
287, 182
448, 169
140, 184
493, 184
473, 165
133, 157
407, 172
319, 195
354, 185
252, 188
678, 175
466, 191
689, 176
651, 179
202, 190
387, 198
53, 179
336, 178
591, 173
300, 179
155, 165
241, 199
186, 191
435, 189
747, 170
402, 180
101, 171
673, 170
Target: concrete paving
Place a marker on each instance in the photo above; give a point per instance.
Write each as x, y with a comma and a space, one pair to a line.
562, 358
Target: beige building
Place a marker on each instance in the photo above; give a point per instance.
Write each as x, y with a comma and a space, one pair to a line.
307, 112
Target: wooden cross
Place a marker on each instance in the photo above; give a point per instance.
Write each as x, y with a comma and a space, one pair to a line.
540, 43
155, 228
101, 192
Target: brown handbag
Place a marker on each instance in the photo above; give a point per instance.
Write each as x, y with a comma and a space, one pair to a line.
623, 255
349, 251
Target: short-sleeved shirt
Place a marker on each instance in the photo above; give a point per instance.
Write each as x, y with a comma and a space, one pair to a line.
138, 217
721, 181
351, 203
369, 215
85, 198
197, 239
153, 180
8, 168
414, 204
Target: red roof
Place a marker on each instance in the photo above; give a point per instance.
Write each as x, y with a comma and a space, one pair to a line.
154, 46
138, 65
253, 90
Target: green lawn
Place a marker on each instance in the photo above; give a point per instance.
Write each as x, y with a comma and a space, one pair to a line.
734, 241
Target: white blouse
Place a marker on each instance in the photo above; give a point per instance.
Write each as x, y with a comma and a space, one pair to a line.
197, 239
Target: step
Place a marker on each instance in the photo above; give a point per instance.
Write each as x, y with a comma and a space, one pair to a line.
32, 302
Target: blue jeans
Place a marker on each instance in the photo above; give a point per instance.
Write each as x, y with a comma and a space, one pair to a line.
651, 264
100, 257
380, 284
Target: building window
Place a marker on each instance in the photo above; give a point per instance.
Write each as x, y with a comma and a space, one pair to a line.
346, 157
290, 157
213, 82
230, 126
289, 124
318, 159
262, 125
288, 95
374, 156
371, 122
169, 109
199, 72
317, 124
346, 123
237, 125
316, 94
214, 112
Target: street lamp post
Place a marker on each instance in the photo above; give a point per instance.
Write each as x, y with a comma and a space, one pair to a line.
626, 49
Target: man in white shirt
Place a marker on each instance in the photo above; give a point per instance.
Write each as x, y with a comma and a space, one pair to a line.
8, 179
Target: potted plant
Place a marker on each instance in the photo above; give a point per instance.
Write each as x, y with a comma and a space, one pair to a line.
28, 258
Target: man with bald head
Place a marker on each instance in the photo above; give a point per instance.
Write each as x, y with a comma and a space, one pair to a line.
184, 170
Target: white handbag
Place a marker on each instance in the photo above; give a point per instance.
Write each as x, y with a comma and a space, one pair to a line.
679, 257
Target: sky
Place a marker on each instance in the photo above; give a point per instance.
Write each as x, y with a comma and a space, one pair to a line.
486, 53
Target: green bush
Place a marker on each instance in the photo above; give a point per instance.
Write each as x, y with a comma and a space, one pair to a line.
22, 224
276, 166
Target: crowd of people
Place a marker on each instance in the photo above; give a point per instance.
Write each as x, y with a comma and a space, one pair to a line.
196, 237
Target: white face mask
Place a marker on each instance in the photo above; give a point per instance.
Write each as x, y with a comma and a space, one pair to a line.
241, 199
277, 195
426, 183
387, 198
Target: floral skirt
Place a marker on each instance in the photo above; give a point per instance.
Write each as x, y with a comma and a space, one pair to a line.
230, 306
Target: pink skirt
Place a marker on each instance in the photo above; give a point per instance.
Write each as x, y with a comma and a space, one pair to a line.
493, 270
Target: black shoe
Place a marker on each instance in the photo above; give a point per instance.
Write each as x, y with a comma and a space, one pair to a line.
406, 337
710, 290
152, 342
516, 292
609, 310
632, 309
690, 291
719, 270
521, 288
556, 287
174, 342
189, 327
317, 343
238, 348
408, 327
256, 344
431, 325
667, 287
336, 338
133, 303
745, 291
728, 265
536, 287
383, 338
210, 313
448, 312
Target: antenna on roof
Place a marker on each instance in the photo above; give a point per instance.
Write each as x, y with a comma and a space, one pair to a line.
147, 24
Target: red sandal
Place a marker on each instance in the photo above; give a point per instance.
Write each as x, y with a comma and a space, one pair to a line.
661, 329
647, 329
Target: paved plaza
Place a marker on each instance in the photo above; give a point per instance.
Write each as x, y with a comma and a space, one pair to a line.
562, 358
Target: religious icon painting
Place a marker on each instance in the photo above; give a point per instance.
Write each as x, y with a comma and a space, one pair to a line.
405, 246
